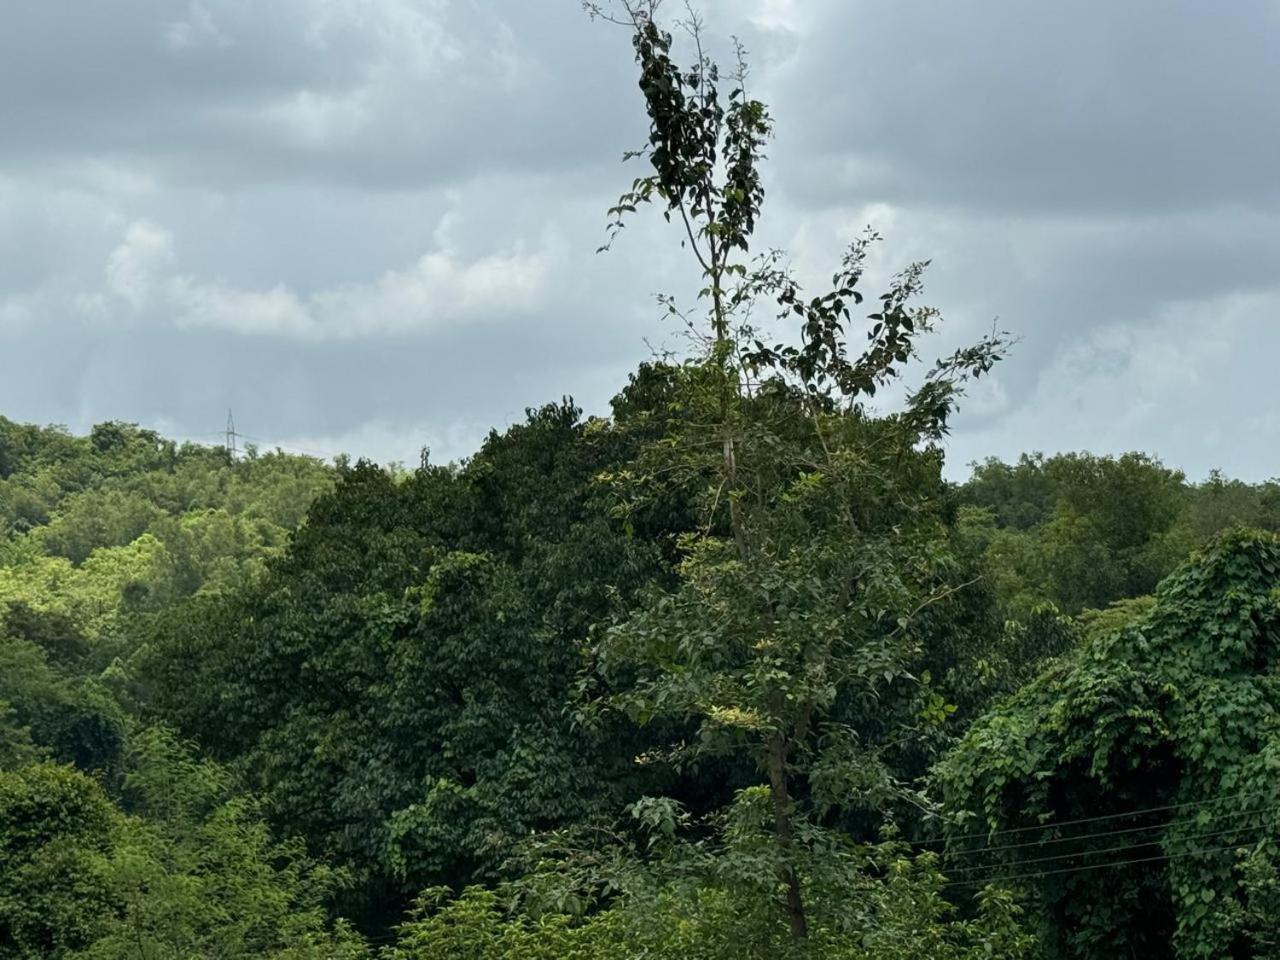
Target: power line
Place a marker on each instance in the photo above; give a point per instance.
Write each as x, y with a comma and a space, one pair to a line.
1116, 849
1097, 866
1105, 833
1110, 816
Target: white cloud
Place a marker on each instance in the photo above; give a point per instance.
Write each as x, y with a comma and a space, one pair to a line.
134, 266
441, 288
277, 311
315, 120
196, 29
407, 32
778, 15
986, 397
1164, 384
438, 288
15, 314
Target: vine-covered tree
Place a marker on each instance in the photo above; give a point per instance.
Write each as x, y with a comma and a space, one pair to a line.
1140, 773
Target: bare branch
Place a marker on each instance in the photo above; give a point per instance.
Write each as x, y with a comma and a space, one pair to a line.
633, 12
936, 597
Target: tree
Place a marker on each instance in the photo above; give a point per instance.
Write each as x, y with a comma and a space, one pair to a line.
1082, 531
902, 916
191, 871
56, 831
67, 717
1139, 769
790, 636
195, 870
396, 686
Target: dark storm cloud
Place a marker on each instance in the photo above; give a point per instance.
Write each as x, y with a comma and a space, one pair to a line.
1086, 107
392, 94
369, 224
1100, 176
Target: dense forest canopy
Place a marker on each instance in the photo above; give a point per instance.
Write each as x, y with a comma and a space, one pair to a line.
387, 697
731, 670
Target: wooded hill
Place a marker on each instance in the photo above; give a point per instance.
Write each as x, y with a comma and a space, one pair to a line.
231, 719
731, 672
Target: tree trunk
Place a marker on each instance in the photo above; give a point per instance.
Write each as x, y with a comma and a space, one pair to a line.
794, 903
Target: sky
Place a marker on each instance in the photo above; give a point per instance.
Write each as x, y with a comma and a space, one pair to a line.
369, 226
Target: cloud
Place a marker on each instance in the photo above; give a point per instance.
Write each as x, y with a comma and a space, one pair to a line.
439, 289
195, 29
133, 266
379, 94
16, 313
275, 311
436, 291
370, 223
1169, 376
988, 104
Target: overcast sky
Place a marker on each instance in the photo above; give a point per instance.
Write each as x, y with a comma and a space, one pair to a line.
370, 225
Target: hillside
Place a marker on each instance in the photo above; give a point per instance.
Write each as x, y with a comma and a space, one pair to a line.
729, 670
347, 703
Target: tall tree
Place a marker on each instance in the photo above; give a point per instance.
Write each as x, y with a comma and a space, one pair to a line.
790, 637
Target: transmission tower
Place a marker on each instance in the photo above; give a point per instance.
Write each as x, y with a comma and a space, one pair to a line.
231, 435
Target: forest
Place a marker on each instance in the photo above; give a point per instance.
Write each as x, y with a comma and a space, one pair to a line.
731, 671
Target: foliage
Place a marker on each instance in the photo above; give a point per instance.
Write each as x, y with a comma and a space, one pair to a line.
55, 836
1082, 531
897, 917
786, 646
195, 871
67, 717
206, 521
437, 622
668, 683
199, 876
1174, 710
